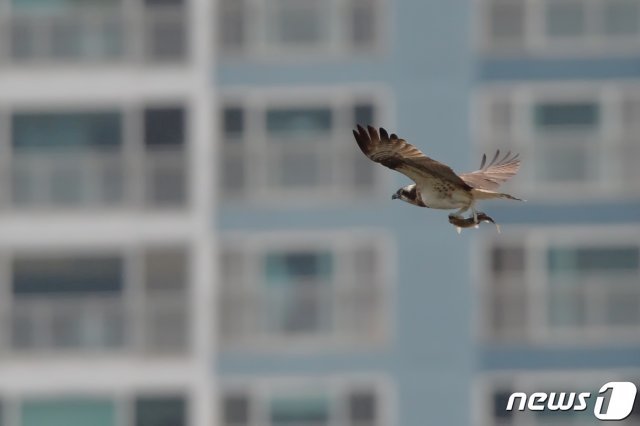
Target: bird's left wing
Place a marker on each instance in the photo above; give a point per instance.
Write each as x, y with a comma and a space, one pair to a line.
491, 176
397, 154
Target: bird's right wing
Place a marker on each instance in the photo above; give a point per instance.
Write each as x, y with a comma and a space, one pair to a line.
397, 154
491, 176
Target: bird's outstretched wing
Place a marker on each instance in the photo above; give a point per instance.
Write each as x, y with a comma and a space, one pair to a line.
399, 155
491, 176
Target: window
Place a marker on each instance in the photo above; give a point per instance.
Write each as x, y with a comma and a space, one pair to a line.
67, 275
165, 160
567, 26
68, 412
306, 292
166, 294
160, 411
76, 159
304, 402
298, 408
89, 32
565, 18
165, 35
562, 288
577, 141
506, 23
76, 301
267, 27
286, 150
235, 409
67, 302
621, 17
298, 283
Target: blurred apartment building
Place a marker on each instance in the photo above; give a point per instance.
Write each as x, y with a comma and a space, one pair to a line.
106, 258
339, 307
558, 294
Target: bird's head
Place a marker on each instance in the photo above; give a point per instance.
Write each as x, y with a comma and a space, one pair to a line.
407, 193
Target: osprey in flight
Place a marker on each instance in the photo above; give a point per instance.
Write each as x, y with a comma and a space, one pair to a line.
436, 185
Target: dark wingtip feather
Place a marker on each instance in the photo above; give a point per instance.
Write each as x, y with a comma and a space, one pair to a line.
495, 157
393, 136
484, 160
383, 133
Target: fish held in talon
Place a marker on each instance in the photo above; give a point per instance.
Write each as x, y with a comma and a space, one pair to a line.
461, 222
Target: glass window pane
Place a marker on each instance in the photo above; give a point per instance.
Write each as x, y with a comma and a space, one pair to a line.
621, 17
566, 18
301, 22
299, 409
164, 126
165, 34
233, 122
362, 408
299, 121
559, 160
160, 3
567, 115
500, 402
45, 275
506, 21
55, 130
593, 259
283, 267
232, 22
364, 114
68, 412
160, 411
507, 258
298, 291
362, 24
166, 269
500, 116
235, 410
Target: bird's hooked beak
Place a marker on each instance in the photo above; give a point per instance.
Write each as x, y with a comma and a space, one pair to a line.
395, 196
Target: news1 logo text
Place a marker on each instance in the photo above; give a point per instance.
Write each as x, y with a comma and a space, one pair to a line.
614, 401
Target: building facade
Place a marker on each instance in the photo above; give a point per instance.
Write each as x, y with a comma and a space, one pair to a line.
107, 253
338, 306
558, 292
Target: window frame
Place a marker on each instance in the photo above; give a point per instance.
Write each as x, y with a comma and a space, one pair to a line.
259, 390
255, 104
137, 163
536, 240
257, 245
338, 44
134, 299
537, 42
609, 139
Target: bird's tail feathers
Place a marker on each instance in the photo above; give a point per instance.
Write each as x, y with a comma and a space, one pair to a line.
485, 194
510, 197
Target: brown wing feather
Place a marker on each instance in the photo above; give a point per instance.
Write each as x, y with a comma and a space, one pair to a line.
399, 155
498, 171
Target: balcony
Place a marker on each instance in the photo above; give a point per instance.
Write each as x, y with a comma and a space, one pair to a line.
97, 324
304, 311
292, 167
92, 35
567, 309
95, 178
